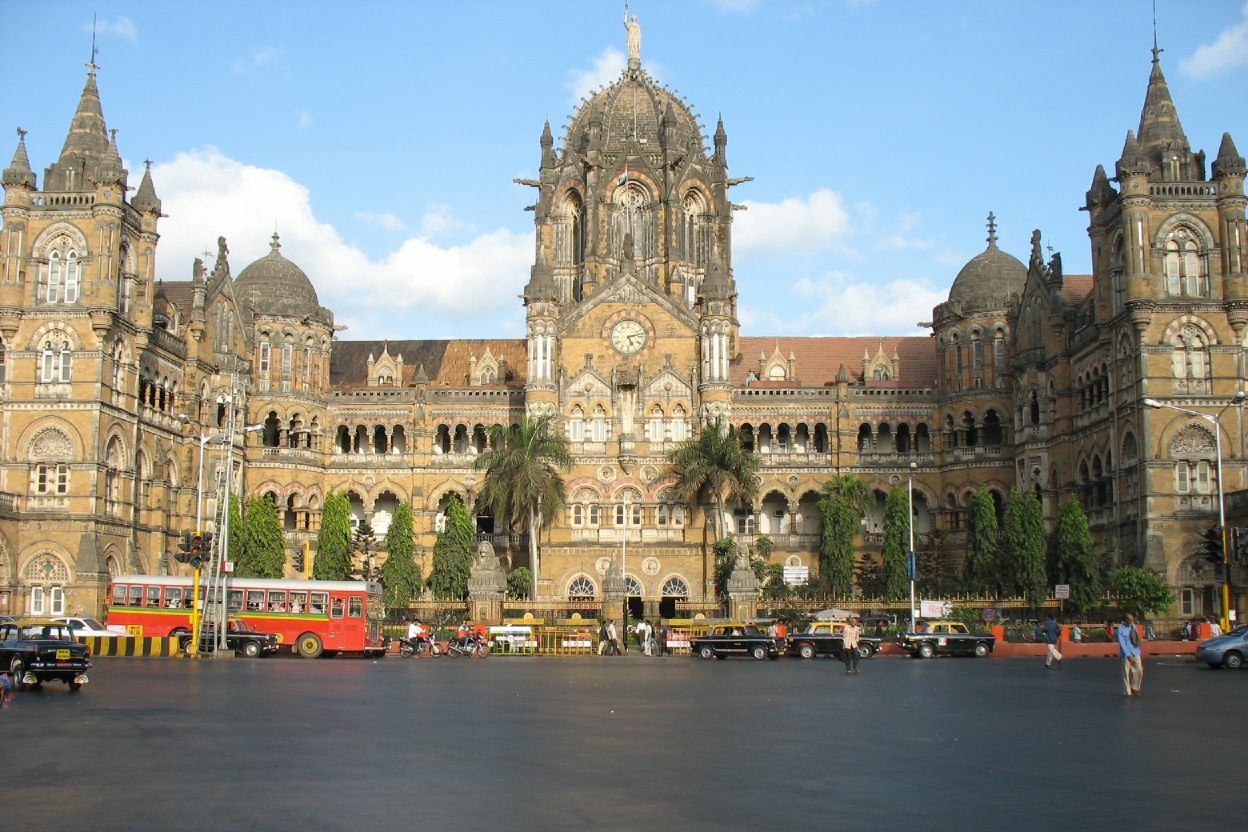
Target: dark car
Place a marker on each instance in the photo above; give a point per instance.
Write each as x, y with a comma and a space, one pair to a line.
240, 637
736, 640
946, 638
826, 638
38, 650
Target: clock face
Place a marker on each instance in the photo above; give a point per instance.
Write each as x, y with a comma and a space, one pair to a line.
628, 337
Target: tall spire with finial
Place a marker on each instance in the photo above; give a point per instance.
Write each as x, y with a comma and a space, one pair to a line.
18, 172
145, 199
86, 146
1160, 129
992, 230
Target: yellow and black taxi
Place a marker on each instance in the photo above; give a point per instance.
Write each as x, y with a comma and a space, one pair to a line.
724, 640
945, 638
38, 650
826, 638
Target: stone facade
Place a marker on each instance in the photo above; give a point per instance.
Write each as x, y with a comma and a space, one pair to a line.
115, 379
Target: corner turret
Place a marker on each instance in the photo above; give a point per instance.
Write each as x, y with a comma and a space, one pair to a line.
18, 172
146, 200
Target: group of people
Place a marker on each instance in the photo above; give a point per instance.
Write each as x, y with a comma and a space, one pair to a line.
1127, 634
653, 638
1192, 629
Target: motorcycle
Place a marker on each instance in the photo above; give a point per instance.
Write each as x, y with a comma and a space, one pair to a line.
409, 647
475, 646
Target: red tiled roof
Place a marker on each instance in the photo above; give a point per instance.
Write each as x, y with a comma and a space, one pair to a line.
1075, 287
445, 362
819, 359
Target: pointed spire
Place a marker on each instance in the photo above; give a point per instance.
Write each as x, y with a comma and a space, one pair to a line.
86, 145
111, 169
541, 285
716, 285
1101, 193
547, 142
1229, 162
1133, 160
18, 172
842, 375
1159, 120
146, 200
421, 376
992, 230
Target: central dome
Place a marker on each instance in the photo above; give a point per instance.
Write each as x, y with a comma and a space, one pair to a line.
991, 276
632, 107
274, 285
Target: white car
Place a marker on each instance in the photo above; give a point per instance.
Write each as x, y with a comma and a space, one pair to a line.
91, 627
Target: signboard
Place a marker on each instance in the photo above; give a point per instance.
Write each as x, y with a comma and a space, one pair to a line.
796, 575
1062, 592
935, 609
912, 565
229, 567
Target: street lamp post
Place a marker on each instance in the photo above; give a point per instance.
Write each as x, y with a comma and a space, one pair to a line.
1216, 420
911, 559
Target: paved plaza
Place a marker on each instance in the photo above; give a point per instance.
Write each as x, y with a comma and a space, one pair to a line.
631, 743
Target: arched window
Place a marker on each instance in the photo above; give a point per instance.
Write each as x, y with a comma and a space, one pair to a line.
54, 277
288, 356
1194, 453
998, 358
585, 507
654, 425
675, 587
265, 356
576, 424
71, 276
570, 231
1190, 360
694, 229
581, 588
55, 361
679, 424
1184, 265
631, 516
599, 424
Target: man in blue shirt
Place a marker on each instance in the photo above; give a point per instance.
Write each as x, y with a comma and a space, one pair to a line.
1129, 650
1052, 638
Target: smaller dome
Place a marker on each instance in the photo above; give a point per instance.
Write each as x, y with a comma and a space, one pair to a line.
990, 275
274, 285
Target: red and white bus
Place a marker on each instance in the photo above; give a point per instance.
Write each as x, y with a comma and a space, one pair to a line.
310, 617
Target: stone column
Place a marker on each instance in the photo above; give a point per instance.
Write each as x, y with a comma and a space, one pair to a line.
742, 587
486, 586
614, 593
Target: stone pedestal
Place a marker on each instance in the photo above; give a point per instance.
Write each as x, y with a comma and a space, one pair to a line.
742, 587
614, 592
487, 586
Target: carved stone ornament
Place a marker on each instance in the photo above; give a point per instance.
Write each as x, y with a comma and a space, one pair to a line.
606, 473
743, 556
651, 566
602, 565
1193, 442
486, 559
51, 444
650, 474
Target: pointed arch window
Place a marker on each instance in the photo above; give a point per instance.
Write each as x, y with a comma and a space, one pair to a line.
998, 357
265, 357
1190, 360
576, 424
55, 361
72, 276
288, 356
1185, 265
54, 277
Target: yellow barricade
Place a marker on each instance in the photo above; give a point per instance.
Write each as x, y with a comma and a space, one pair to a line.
135, 647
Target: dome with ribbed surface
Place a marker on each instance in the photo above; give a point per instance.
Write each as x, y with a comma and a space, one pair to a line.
990, 275
633, 108
274, 285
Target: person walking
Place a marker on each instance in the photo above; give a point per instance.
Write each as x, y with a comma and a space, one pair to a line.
849, 644
613, 640
1052, 641
1129, 650
602, 637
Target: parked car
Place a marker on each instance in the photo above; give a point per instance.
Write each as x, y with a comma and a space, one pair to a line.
38, 650
240, 637
91, 627
824, 638
1227, 650
736, 640
946, 638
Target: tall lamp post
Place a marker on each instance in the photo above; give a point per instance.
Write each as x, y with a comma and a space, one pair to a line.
912, 566
1215, 420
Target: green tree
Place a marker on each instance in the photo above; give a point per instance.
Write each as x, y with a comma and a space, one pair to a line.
401, 580
263, 542
980, 569
1075, 558
523, 485
714, 464
364, 541
896, 537
518, 582
1140, 591
333, 541
938, 575
452, 554
841, 503
1022, 563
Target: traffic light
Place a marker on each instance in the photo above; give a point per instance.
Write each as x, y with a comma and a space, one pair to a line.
197, 543
206, 546
183, 555
1211, 548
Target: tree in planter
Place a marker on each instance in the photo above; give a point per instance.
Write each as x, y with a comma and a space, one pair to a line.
263, 542
523, 486
333, 541
980, 570
453, 554
518, 582
1075, 559
401, 580
896, 583
1023, 564
842, 503
714, 464
1139, 591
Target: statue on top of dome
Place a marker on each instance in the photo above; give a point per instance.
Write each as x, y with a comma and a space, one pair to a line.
634, 37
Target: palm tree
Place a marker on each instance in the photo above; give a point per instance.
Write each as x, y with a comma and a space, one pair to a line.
714, 462
523, 486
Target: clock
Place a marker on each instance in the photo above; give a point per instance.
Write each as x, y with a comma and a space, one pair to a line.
628, 336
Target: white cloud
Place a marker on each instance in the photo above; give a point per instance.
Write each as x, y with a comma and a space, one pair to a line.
207, 194
121, 27
863, 306
738, 6
606, 68
1228, 51
381, 219
257, 59
439, 220
304, 121
793, 225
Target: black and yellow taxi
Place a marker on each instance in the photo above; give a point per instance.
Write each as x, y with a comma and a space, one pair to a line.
948, 638
38, 650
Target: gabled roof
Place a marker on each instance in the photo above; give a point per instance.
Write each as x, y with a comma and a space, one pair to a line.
1076, 287
444, 362
819, 359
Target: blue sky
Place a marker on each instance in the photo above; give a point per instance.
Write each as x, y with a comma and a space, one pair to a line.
380, 138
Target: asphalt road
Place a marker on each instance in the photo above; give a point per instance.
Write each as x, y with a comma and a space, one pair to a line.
632, 743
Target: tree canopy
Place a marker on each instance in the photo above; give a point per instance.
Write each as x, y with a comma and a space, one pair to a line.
401, 580
453, 553
1075, 558
895, 580
333, 541
714, 464
980, 569
263, 552
841, 503
1140, 591
1024, 553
